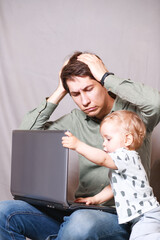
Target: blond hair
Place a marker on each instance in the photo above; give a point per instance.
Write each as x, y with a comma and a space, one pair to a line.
130, 123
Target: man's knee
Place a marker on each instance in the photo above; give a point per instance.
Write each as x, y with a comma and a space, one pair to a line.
6, 208
80, 225
9, 209
92, 224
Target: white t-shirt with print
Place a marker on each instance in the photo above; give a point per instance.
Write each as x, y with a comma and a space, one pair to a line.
132, 192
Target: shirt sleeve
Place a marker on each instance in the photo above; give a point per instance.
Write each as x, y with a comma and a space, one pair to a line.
142, 96
37, 118
121, 160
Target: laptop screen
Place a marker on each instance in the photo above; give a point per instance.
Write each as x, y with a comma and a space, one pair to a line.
39, 165
43, 172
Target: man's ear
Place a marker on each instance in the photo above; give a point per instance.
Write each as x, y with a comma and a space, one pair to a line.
128, 139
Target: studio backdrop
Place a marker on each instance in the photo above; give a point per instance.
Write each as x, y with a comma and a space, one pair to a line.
37, 36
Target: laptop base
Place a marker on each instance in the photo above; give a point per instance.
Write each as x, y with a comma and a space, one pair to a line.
71, 207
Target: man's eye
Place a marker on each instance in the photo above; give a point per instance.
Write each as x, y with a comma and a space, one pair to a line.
89, 89
74, 94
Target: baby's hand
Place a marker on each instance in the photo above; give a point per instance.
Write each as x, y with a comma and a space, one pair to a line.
69, 141
87, 200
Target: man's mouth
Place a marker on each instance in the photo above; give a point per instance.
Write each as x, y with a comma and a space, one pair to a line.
91, 109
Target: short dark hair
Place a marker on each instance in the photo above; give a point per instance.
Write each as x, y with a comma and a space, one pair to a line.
74, 68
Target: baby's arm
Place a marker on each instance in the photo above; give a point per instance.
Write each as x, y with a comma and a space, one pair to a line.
94, 155
105, 195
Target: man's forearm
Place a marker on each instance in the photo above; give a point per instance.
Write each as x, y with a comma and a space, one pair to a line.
145, 98
37, 118
57, 96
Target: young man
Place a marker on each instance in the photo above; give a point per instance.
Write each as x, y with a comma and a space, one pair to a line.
83, 77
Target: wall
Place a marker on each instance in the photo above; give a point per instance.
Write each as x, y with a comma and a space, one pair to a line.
37, 36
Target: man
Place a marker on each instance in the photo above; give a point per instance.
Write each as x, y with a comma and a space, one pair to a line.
97, 93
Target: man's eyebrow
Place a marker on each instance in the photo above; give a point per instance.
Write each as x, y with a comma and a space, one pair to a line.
85, 88
74, 92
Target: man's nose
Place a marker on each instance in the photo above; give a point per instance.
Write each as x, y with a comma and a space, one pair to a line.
85, 99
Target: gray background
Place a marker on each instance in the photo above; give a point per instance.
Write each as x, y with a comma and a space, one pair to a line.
36, 36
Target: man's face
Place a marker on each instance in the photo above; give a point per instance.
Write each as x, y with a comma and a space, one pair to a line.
90, 96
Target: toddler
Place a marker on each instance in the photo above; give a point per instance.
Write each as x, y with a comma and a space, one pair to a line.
123, 133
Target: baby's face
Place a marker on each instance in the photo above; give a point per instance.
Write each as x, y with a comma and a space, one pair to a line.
113, 136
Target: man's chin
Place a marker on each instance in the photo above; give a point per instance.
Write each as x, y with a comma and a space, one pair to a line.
92, 114
95, 114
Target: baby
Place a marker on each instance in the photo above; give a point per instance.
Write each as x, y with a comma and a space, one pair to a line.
123, 133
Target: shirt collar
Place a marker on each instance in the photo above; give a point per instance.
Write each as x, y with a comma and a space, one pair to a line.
93, 119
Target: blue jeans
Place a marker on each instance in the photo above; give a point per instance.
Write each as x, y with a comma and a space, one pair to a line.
19, 219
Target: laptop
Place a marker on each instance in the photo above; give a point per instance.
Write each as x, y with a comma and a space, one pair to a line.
45, 173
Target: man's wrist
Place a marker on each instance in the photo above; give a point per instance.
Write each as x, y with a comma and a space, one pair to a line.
104, 76
57, 96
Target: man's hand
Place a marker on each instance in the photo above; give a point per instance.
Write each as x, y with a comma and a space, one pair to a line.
60, 92
95, 65
70, 141
60, 80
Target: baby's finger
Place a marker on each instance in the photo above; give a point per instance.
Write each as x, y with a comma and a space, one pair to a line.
69, 134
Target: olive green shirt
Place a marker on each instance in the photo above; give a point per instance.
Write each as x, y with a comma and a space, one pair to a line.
136, 97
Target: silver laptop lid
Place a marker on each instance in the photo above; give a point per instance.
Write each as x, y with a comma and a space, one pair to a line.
39, 166
45, 173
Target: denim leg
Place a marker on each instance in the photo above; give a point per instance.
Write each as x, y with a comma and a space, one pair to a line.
92, 225
19, 219
148, 226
